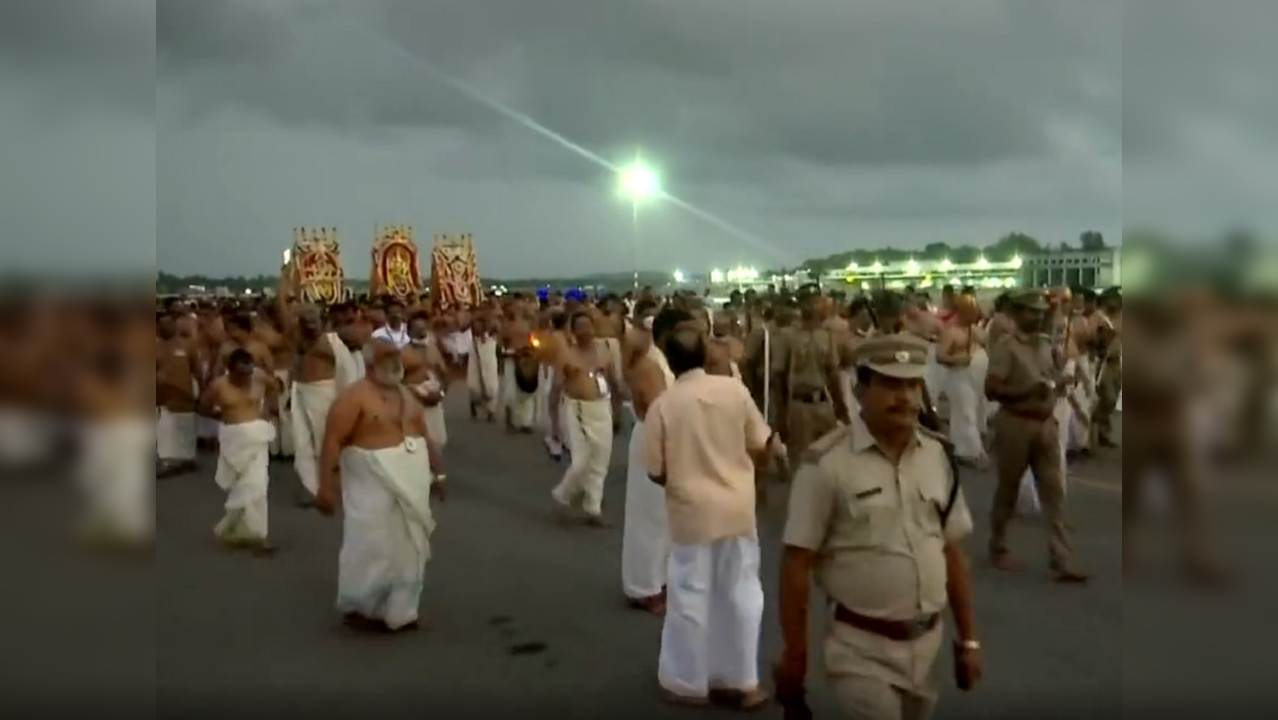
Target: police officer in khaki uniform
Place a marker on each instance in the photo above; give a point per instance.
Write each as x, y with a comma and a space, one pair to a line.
1108, 334
1025, 380
877, 516
1160, 439
806, 371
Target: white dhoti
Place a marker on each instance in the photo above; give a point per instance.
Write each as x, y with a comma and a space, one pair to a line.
934, 375
589, 429
386, 529
243, 472
283, 445
25, 437
310, 405
175, 436
645, 536
714, 607
544, 413
519, 404
483, 375
117, 477
965, 390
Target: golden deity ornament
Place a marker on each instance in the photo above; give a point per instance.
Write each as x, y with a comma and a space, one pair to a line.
315, 266
396, 269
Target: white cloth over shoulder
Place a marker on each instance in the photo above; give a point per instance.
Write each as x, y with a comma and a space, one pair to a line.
117, 477
965, 390
310, 405
175, 436
645, 537
385, 532
482, 374
243, 472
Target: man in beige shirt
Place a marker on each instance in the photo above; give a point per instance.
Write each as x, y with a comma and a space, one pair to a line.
702, 437
877, 517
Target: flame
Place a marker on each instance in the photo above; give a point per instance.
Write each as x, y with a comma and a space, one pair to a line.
536, 341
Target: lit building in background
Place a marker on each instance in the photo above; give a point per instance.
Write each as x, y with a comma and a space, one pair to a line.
1074, 268
927, 274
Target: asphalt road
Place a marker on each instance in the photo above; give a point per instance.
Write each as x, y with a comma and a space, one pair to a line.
527, 616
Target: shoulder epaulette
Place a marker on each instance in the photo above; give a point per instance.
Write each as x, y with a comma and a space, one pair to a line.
826, 443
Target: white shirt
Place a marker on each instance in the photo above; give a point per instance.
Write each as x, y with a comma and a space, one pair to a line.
398, 338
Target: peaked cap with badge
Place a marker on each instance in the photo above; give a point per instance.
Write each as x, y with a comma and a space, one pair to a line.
897, 356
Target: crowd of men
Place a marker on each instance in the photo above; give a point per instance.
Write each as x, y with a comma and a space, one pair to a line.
863, 409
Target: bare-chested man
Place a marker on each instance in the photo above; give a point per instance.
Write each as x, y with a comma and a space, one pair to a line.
426, 374
519, 378
960, 350
244, 401
552, 345
324, 362
241, 335
589, 414
645, 542
115, 399
483, 374
379, 461
177, 369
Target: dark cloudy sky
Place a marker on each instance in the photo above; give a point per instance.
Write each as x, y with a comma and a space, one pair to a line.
807, 126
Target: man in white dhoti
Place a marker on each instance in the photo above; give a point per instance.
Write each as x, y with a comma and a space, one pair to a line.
520, 376
586, 386
551, 345
645, 538
244, 401
389, 471
324, 366
425, 371
116, 475
177, 365
701, 438
960, 350
482, 373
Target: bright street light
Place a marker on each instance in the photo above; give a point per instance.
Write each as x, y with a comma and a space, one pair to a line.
679, 277
638, 183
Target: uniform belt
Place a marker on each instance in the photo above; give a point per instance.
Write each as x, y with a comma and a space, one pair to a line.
1028, 415
811, 398
898, 630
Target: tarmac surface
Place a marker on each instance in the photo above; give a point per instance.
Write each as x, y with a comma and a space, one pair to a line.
526, 615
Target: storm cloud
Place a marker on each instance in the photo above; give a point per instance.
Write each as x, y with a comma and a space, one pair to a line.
805, 128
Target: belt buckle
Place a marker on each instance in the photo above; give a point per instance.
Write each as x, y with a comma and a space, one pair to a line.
917, 628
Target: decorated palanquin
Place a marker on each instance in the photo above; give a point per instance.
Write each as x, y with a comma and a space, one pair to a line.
396, 270
454, 273
316, 266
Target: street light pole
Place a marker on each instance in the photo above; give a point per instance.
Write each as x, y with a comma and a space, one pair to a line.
634, 242
638, 183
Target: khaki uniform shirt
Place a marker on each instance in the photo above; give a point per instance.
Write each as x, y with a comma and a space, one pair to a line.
878, 531
1021, 361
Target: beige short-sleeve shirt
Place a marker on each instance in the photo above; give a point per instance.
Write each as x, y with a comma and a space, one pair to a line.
877, 527
699, 435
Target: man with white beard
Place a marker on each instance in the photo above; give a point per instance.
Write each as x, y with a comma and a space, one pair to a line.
645, 538
702, 437
244, 401
324, 366
389, 472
